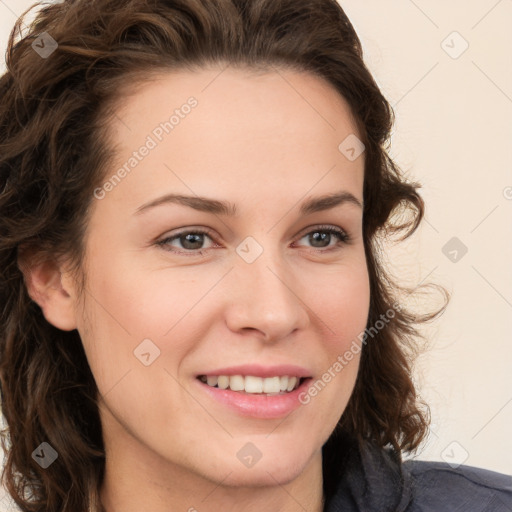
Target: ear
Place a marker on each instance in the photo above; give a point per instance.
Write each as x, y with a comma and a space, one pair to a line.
49, 286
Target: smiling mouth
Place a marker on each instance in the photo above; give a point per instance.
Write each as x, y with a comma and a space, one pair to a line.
249, 384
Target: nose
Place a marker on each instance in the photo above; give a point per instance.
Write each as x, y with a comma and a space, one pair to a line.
265, 297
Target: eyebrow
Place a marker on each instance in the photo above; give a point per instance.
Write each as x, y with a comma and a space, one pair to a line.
215, 206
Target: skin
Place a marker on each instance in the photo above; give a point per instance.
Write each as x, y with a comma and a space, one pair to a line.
265, 142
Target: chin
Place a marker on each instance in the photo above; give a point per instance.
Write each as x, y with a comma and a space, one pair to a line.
277, 469
264, 476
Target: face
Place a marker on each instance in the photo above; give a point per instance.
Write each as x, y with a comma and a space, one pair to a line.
245, 289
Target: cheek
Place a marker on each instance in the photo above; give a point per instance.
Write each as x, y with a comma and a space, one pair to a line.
120, 311
127, 305
137, 304
341, 306
342, 302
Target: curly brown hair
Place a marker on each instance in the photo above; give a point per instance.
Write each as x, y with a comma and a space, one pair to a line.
54, 115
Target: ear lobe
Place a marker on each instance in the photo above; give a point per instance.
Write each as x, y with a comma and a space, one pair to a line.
44, 282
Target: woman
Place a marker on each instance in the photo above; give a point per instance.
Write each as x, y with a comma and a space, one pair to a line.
196, 317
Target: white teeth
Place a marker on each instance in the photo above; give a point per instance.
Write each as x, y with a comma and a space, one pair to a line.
252, 384
291, 383
272, 385
223, 382
211, 380
236, 383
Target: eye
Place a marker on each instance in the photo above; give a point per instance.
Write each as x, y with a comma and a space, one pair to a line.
321, 237
192, 241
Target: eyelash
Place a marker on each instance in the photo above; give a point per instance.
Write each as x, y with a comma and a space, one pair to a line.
343, 239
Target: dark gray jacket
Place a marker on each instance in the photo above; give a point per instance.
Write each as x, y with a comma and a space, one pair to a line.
372, 479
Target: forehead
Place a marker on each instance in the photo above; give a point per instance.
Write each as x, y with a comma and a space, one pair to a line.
238, 128
267, 100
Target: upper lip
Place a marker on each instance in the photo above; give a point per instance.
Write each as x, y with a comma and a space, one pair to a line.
261, 371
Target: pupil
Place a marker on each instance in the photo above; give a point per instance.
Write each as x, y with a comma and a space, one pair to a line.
189, 240
322, 236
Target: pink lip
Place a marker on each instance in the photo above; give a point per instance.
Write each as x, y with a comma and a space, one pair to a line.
256, 406
261, 371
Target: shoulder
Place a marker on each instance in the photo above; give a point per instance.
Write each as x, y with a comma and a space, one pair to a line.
370, 478
439, 486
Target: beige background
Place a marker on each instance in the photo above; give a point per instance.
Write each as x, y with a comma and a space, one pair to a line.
453, 134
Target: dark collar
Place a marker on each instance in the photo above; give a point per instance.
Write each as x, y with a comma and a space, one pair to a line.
359, 475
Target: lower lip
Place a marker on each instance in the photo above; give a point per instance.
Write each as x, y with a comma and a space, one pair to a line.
257, 406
